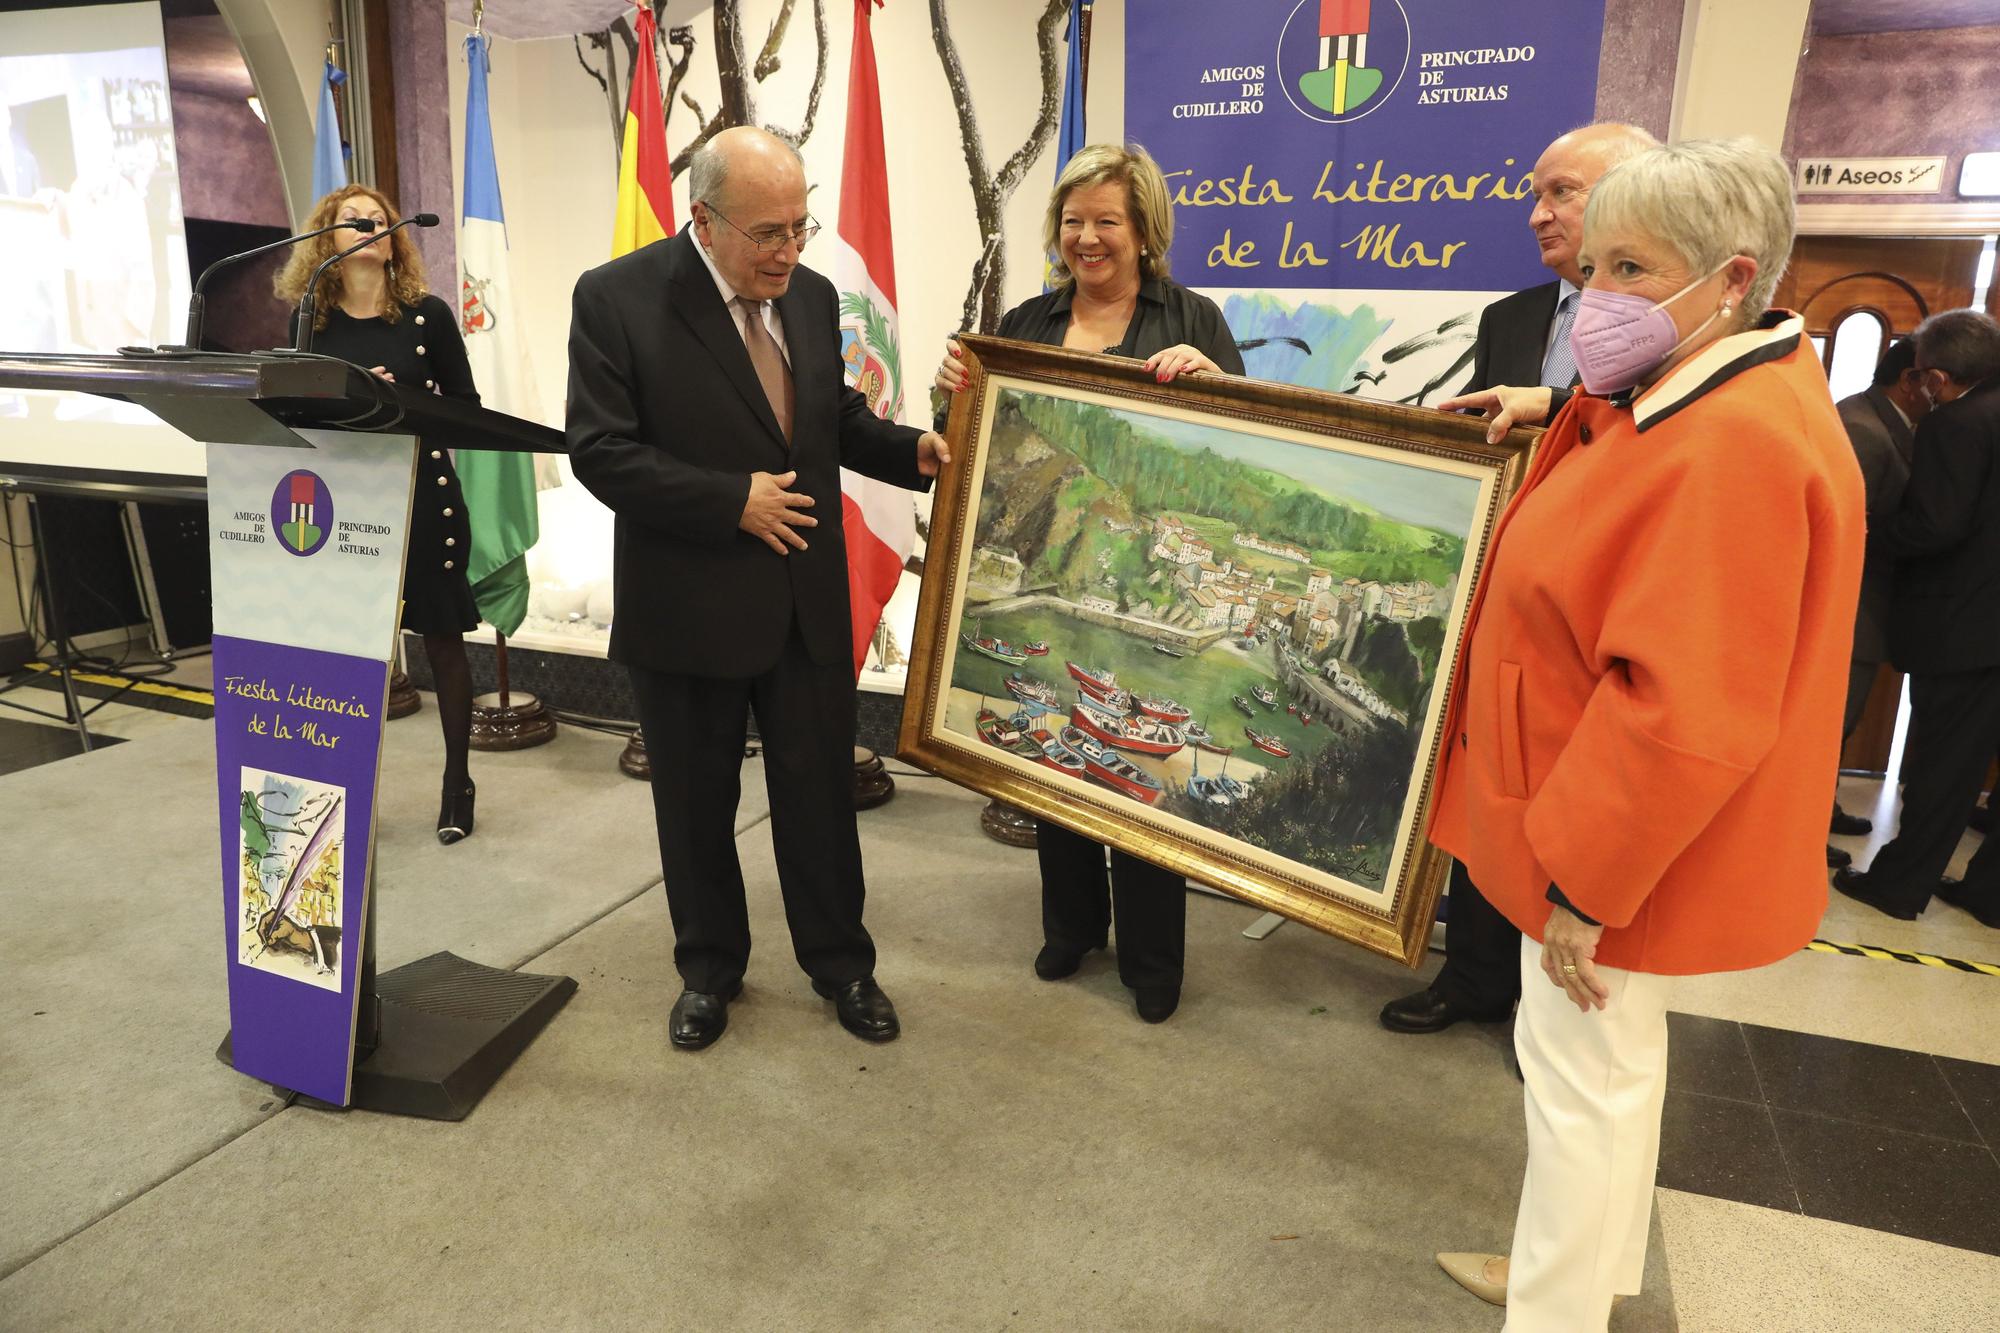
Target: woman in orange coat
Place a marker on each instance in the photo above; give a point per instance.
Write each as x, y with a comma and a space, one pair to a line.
1645, 735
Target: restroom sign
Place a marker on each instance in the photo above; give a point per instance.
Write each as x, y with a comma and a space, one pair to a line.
1871, 175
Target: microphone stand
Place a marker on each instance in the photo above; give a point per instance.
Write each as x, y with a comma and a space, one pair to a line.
309, 303
197, 303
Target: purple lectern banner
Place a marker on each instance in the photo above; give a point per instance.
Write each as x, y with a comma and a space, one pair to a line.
298, 737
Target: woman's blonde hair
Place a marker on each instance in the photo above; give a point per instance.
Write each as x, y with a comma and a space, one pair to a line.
405, 270
1149, 205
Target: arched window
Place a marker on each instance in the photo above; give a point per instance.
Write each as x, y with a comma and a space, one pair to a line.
1857, 346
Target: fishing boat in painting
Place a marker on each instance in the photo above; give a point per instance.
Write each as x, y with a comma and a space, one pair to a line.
1103, 764
1268, 744
1142, 734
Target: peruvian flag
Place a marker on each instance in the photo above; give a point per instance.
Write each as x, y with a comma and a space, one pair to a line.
880, 520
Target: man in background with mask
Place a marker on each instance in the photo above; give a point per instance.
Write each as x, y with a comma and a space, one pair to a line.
1944, 628
1881, 423
1523, 339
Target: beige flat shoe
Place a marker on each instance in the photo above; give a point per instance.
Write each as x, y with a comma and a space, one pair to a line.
1472, 1271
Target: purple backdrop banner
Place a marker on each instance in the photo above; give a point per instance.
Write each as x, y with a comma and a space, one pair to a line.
298, 739
1357, 144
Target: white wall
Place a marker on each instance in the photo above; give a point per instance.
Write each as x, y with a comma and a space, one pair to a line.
1738, 63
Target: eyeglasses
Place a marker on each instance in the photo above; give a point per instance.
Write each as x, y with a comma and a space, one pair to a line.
776, 238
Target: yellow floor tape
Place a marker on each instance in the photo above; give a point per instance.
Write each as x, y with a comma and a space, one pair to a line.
136, 687
1901, 956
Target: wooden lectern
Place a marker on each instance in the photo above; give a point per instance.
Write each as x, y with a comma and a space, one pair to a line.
311, 464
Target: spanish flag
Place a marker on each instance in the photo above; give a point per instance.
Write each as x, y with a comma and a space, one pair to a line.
645, 182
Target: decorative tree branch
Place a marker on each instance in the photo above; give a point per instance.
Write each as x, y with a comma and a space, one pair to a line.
608, 81
682, 39
767, 59
990, 193
797, 140
739, 105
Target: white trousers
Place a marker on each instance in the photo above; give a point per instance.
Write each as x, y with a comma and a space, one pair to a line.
1595, 1082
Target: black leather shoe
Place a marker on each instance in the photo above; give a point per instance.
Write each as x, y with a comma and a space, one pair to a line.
699, 1018
455, 813
863, 1009
1855, 884
1054, 962
1953, 892
1849, 826
1428, 1011
1836, 859
1156, 1004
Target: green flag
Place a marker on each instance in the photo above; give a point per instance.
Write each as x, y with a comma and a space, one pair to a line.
500, 503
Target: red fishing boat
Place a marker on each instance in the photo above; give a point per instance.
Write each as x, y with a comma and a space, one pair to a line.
1004, 734
1039, 648
1164, 709
1097, 684
1028, 690
1057, 755
1268, 744
1146, 735
1114, 770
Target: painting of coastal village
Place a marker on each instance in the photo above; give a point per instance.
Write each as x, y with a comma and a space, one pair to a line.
1237, 629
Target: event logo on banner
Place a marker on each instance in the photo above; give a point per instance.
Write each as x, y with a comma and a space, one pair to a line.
1351, 179
305, 621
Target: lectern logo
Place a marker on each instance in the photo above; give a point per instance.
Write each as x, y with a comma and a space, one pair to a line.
302, 512
1339, 60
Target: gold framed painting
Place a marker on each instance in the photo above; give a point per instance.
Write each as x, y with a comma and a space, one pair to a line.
1211, 624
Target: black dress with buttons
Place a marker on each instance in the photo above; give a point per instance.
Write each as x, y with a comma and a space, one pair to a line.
422, 347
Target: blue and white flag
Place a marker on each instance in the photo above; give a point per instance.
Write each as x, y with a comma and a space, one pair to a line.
1069, 131
329, 154
499, 487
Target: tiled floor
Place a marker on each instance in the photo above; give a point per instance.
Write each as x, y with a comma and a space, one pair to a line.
1829, 1144
1875, 1137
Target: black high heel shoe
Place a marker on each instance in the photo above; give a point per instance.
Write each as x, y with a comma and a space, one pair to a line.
455, 813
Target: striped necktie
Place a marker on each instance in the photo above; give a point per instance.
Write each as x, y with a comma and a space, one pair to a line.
1559, 363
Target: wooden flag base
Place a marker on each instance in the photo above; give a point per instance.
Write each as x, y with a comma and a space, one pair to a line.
633, 762
403, 697
872, 784
1004, 823
512, 721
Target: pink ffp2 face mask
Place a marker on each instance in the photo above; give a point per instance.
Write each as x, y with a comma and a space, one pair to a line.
1617, 337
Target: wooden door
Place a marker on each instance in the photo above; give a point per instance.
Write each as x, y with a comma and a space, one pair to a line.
1875, 290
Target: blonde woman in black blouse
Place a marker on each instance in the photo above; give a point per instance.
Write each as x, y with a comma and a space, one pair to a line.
1108, 226
374, 311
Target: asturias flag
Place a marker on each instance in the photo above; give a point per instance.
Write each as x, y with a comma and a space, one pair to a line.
880, 520
329, 158
645, 174
499, 487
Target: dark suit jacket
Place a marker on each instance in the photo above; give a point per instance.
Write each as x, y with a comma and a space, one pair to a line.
667, 420
1513, 335
1882, 443
1946, 536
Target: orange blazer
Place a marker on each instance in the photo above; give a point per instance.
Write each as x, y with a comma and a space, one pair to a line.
1651, 680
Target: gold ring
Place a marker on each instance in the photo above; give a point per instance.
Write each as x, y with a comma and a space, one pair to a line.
1569, 969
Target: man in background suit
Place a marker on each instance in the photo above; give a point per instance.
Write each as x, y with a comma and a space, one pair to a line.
1881, 423
1523, 340
709, 410
1944, 625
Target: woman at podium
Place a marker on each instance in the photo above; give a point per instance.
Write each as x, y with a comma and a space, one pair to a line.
373, 310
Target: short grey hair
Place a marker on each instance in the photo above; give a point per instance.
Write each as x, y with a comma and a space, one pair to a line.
1710, 200
708, 171
1964, 344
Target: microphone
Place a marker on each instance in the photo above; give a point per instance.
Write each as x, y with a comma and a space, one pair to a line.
197, 303
309, 302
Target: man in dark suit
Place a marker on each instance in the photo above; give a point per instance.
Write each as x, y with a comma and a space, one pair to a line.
1881, 424
1523, 340
709, 410
1944, 627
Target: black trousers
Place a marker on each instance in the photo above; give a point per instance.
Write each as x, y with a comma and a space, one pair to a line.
1149, 905
695, 729
1482, 952
1954, 735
